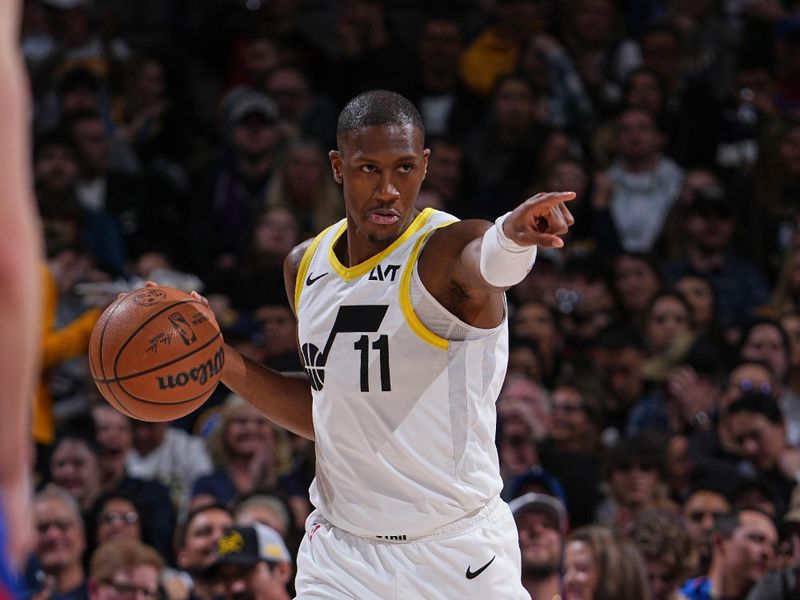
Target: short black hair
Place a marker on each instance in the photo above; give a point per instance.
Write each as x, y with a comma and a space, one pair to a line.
376, 108
757, 404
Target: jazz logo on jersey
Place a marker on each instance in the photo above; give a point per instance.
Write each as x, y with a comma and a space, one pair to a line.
352, 319
387, 273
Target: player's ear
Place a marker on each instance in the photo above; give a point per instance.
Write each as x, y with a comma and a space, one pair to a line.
426, 154
336, 165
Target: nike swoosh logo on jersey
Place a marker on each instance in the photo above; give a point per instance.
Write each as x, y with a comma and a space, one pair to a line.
474, 574
310, 280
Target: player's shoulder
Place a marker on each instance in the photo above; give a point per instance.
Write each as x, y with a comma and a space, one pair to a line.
459, 233
291, 263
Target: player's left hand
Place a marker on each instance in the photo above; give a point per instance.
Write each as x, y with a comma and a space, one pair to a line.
540, 220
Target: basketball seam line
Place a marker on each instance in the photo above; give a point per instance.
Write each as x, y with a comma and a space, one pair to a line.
162, 365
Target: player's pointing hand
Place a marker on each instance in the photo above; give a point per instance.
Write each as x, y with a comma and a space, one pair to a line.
540, 220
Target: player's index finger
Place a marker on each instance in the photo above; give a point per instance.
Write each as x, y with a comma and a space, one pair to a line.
550, 199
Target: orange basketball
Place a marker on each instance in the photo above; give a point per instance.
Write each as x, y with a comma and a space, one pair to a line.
156, 354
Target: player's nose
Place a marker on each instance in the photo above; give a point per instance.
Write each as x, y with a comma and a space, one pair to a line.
386, 190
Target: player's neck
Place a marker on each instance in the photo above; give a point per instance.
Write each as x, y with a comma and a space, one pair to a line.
353, 248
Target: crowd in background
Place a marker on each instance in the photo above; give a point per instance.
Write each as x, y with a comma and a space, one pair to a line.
649, 427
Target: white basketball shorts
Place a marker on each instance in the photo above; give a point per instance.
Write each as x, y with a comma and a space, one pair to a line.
475, 557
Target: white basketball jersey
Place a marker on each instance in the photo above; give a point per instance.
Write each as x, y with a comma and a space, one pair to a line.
404, 419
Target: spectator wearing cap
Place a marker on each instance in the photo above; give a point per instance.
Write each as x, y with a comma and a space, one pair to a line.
230, 186
785, 583
708, 227
125, 568
668, 551
542, 523
702, 506
252, 562
743, 548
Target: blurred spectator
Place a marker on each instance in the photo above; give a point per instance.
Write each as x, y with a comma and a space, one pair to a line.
114, 438
593, 35
279, 328
768, 199
75, 462
758, 430
370, 53
743, 545
230, 191
195, 546
668, 551
524, 405
645, 182
765, 340
56, 569
635, 282
248, 454
739, 285
698, 292
602, 565
66, 265
256, 278
117, 517
55, 169
124, 568
495, 50
536, 321
265, 509
634, 474
667, 318
302, 111
542, 523
784, 583
252, 562
168, 455
447, 106
619, 363
447, 176
571, 451
702, 506
303, 184
505, 151
145, 114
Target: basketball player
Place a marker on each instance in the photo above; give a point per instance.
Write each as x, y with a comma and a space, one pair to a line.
402, 328
19, 300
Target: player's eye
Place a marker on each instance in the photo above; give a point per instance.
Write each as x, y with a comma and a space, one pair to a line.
368, 168
407, 168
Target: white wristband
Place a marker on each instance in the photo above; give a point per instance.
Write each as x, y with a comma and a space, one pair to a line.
504, 262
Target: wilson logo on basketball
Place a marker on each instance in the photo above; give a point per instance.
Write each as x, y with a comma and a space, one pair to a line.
199, 374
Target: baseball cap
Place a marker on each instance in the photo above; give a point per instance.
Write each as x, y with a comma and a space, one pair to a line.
254, 103
247, 546
542, 503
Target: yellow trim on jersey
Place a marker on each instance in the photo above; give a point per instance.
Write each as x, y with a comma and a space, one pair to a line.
303, 268
348, 273
405, 296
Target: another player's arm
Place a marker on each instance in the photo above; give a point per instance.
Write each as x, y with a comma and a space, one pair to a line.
283, 398
20, 248
467, 268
